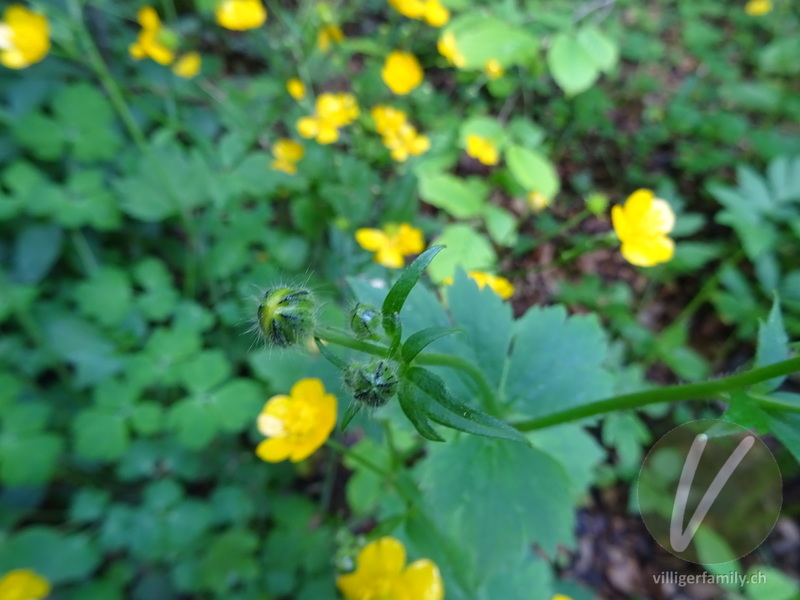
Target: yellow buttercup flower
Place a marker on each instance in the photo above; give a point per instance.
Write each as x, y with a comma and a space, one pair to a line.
642, 225
23, 584
24, 37
188, 65
482, 149
296, 88
398, 134
240, 15
297, 424
561, 597
448, 47
332, 111
391, 244
493, 69
499, 285
436, 14
413, 9
756, 8
381, 574
401, 72
328, 34
154, 41
287, 154
537, 201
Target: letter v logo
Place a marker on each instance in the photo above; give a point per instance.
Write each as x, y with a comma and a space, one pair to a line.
678, 538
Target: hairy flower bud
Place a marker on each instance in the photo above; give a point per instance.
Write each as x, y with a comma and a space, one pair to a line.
373, 383
286, 316
364, 321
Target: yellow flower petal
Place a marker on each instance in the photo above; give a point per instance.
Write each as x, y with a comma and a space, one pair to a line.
756, 8
25, 37
241, 15
421, 581
493, 69
482, 149
389, 257
647, 252
288, 150
410, 240
148, 18
371, 240
308, 127
383, 557
23, 584
413, 9
188, 65
402, 72
274, 449
436, 15
296, 88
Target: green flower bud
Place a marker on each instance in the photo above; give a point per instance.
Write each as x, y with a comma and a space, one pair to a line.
286, 316
372, 384
597, 204
364, 321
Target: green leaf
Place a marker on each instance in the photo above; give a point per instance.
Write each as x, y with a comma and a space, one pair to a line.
769, 583
100, 434
496, 500
450, 412
326, 353
28, 460
107, 295
602, 50
397, 295
205, 371
571, 65
481, 37
69, 558
466, 248
556, 362
744, 410
419, 340
460, 198
412, 403
352, 410
773, 347
786, 427
36, 250
193, 423
235, 404
533, 171
501, 225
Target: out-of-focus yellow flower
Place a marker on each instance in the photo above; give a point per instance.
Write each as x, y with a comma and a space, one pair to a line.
391, 244
296, 88
23, 584
240, 15
436, 14
24, 37
537, 201
756, 8
381, 574
493, 69
433, 11
413, 9
642, 225
499, 285
188, 65
297, 424
332, 111
561, 597
398, 134
327, 34
482, 149
287, 154
401, 72
448, 47
154, 41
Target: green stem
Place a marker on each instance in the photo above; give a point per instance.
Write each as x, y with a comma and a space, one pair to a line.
676, 393
340, 338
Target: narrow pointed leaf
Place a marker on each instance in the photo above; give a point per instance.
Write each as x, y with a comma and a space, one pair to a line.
444, 409
348, 415
330, 356
410, 403
417, 342
402, 288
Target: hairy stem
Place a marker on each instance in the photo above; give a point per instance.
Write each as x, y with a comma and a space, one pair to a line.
675, 393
